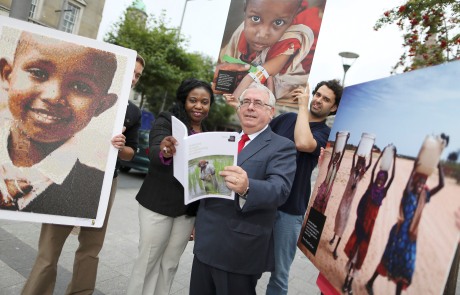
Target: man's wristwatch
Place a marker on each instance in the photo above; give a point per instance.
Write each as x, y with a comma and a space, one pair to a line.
244, 195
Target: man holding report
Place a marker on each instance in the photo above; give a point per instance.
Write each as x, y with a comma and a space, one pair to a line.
234, 238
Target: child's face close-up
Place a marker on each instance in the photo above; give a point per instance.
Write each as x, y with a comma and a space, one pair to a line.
266, 21
56, 88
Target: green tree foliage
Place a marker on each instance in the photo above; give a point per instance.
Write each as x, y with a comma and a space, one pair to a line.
167, 63
431, 32
219, 115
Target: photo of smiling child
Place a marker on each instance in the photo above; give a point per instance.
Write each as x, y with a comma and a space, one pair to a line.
53, 91
270, 45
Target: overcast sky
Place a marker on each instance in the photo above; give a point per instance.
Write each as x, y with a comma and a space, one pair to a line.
347, 26
404, 109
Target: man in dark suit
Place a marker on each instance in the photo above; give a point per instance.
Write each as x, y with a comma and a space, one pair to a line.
234, 239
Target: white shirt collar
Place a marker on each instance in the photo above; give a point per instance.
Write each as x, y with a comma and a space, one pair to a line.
254, 135
56, 166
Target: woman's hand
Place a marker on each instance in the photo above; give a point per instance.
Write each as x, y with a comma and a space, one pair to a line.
168, 146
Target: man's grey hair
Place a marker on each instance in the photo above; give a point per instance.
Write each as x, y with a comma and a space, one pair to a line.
255, 85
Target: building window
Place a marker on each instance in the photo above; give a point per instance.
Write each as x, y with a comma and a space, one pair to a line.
33, 8
70, 17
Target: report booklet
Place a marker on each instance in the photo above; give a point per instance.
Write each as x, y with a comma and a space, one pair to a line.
199, 159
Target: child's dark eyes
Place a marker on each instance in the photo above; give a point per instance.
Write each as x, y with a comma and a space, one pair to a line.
82, 88
39, 74
255, 18
279, 22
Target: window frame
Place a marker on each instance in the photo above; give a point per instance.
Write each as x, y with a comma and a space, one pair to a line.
35, 9
63, 21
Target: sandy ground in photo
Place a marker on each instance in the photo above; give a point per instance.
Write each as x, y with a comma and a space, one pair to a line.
437, 235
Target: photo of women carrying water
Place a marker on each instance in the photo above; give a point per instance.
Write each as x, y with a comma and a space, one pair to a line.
387, 223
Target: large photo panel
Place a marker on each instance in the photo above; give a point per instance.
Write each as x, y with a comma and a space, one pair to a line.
382, 213
270, 41
62, 98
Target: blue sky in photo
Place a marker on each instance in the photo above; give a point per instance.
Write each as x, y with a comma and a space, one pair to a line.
404, 109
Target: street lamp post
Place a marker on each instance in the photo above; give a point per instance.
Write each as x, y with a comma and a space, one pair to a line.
348, 58
182, 17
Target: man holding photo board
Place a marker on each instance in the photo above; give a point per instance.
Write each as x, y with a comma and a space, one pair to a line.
42, 278
310, 133
54, 90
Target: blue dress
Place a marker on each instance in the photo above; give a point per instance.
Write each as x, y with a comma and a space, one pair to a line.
398, 260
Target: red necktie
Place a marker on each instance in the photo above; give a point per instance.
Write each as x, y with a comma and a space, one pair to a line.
242, 141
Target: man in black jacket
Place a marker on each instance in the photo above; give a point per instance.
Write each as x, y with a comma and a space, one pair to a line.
52, 237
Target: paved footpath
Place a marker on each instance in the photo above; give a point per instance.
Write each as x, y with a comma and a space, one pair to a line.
18, 248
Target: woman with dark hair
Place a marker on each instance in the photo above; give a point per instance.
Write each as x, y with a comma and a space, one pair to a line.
165, 222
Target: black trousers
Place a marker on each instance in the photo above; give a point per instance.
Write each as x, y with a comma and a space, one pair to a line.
208, 280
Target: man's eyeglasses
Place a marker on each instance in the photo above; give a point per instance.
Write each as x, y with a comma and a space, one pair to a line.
258, 104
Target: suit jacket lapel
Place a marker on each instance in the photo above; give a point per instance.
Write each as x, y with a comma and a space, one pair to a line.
254, 146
